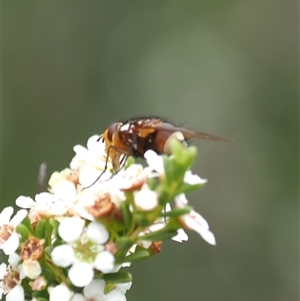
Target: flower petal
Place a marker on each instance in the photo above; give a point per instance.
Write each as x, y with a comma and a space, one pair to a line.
181, 236
5, 215
71, 228
63, 256
16, 294
105, 262
207, 236
145, 199
115, 295
18, 218
65, 190
81, 274
25, 202
191, 179
124, 287
61, 293
194, 221
154, 161
13, 259
31, 268
12, 243
78, 297
95, 289
95, 145
97, 232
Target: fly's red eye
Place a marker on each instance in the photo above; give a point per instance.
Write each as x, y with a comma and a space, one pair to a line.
111, 130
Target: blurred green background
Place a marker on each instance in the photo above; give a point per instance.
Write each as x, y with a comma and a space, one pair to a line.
229, 68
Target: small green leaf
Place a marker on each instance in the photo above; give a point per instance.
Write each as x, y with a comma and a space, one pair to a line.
27, 288
48, 233
173, 171
159, 235
138, 255
141, 219
184, 157
48, 250
54, 223
164, 195
191, 154
124, 244
40, 296
120, 277
23, 231
27, 223
51, 271
40, 229
130, 161
186, 188
153, 183
126, 214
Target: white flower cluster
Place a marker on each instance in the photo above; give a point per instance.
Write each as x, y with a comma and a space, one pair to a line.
65, 241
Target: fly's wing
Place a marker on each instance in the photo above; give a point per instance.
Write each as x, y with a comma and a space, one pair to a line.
188, 134
203, 136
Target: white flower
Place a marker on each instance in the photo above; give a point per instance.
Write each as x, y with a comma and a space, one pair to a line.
145, 199
116, 195
88, 197
3, 273
45, 204
161, 223
130, 179
84, 250
10, 277
70, 230
111, 187
85, 199
9, 239
91, 161
59, 293
194, 221
181, 235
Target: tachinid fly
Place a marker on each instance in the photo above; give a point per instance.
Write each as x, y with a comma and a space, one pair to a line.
135, 136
